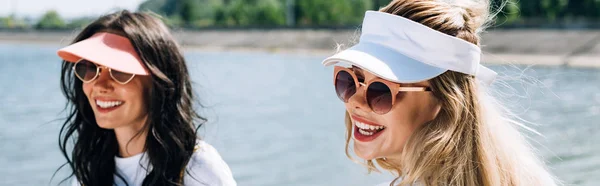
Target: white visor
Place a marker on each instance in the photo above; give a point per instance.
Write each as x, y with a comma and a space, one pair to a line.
403, 51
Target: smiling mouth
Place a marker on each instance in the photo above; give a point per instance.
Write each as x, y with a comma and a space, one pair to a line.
366, 131
108, 104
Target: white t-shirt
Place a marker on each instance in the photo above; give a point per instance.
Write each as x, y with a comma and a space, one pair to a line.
389, 182
206, 167
384, 184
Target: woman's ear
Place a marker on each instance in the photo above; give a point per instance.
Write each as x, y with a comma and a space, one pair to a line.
435, 108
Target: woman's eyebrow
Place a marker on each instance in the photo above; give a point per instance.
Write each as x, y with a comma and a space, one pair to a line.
356, 69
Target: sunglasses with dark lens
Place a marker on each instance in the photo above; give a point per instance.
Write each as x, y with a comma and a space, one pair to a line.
380, 94
88, 71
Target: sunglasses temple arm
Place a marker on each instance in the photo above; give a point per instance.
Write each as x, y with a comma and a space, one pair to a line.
414, 89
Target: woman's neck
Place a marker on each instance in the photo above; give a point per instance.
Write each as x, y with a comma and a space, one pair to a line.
394, 161
131, 139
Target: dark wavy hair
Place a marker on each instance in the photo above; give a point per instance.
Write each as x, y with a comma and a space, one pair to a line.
172, 120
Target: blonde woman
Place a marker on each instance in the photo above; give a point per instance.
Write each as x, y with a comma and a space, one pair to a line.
416, 103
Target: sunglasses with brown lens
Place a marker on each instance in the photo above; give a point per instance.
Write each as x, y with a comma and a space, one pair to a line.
88, 71
380, 94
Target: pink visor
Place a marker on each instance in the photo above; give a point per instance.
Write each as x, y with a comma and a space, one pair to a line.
106, 49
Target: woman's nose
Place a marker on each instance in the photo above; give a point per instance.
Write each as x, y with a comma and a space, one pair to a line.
104, 81
358, 101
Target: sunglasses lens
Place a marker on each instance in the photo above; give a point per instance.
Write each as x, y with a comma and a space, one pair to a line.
379, 97
344, 85
85, 70
121, 77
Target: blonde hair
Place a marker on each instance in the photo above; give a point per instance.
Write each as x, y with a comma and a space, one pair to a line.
472, 141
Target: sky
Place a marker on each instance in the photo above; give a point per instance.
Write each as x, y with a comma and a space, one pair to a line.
66, 8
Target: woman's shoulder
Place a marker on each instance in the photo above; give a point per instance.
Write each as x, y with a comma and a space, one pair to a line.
206, 167
204, 150
74, 181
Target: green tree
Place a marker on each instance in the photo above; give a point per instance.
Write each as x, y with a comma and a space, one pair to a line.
184, 12
583, 8
270, 12
189, 11
507, 11
236, 13
551, 10
12, 22
51, 20
199, 13
251, 13
331, 12
377, 4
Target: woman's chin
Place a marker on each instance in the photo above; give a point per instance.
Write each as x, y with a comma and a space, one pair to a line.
364, 153
106, 125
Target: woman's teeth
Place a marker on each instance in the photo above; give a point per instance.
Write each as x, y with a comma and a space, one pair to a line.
365, 132
366, 129
367, 126
108, 104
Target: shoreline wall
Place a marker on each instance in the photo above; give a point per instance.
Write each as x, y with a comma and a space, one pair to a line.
577, 48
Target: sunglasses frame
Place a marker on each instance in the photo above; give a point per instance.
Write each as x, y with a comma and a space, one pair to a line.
98, 67
395, 88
